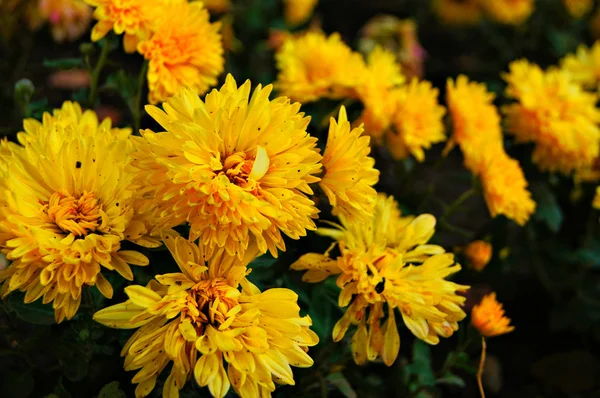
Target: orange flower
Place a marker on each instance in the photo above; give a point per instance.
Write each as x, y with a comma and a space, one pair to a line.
488, 317
478, 254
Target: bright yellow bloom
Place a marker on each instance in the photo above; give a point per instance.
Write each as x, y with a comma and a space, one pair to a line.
382, 77
68, 19
554, 113
313, 66
297, 12
510, 12
458, 12
475, 122
350, 173
505, 188
418, 121
584, 66
578, 8
376, 267
236, 167
199, 319
488, 317
478, 254
185, 51
66, 207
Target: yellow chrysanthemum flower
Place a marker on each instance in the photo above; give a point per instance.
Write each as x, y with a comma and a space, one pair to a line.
475, 122
382, 77
478, 254
505, 188
313, 66
185, 51
132, 18
584, 66
68, 19
510, 12
578, 8
199, 319
66, 207
350, 173
376, 267
554, 113
488, 317
297, 12
418, 121
458, 12
236, 167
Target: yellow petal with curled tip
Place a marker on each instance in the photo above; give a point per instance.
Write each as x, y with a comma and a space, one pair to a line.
104, 286
206, 369
119, 316
188, 331
145, 387
359, 344
391, 339
142, 296
261, 164
219, 385
133, 257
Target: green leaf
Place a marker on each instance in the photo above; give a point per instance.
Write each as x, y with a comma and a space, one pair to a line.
548, 209
341, 383
452, 380
112, 390
421, 364
17, 385
63, 63
36, 312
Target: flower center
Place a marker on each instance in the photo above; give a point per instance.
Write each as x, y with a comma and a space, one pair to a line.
245, 172
214, 302
78, 216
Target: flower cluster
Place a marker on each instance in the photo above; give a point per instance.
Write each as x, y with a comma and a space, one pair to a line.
182, 46
383, 265
68, 19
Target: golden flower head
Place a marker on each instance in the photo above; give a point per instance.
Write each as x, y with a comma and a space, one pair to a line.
488, 317
313, 66
349, 171
236, 167
376, 92
418, 121
458, 12
509, 12
297, 12
200, 319
554, 113
376, 266
578, 8
478, 254
505, 188
68, 19
475, 122
584, 66
185, 51
66, 206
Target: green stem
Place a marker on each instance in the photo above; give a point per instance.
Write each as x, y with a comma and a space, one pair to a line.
453, 228
136, 111
96, 72
457, 203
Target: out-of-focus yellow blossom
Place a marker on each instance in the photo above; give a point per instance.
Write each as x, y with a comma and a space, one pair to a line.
584, 66
488, 317
207, 327
578, 8
505, 188
554, 113
478, 254
66, 207
236, 166
475, 122
458, 12
418, 121
313, 66
510, 12
185, 51
350, 173
376, 267
596, 203
217, 6
381, 79
297, 12
68, 19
